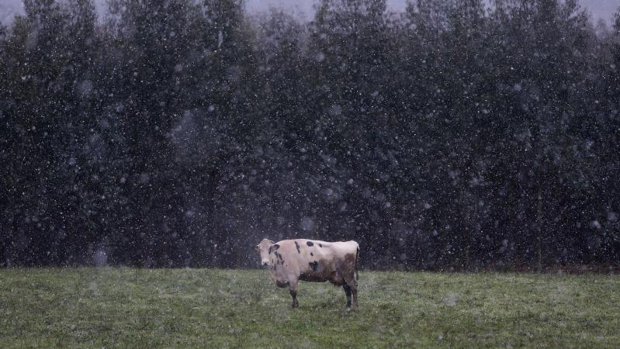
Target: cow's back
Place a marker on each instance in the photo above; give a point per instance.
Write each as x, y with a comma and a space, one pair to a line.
305, 255
322, 260
331, 250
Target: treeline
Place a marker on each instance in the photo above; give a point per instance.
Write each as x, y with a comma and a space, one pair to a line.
181, 132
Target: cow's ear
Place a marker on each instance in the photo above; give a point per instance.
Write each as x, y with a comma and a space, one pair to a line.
273, 248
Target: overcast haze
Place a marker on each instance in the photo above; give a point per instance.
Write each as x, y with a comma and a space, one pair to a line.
600, 9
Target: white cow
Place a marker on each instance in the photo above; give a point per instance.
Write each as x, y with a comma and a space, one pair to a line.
311, 260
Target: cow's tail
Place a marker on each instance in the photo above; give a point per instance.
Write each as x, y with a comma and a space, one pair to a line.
357, 253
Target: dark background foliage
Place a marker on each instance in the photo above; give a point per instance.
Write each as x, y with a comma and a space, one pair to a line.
180, 133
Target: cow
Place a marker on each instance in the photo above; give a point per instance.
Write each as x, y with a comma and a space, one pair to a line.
312, 260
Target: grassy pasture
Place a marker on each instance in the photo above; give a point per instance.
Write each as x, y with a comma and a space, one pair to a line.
204, 308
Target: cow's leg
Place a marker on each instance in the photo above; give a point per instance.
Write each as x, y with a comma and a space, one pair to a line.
350, 281
354, 292
347, 291
293, 290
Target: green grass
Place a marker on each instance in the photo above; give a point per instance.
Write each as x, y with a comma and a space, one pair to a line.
202, 308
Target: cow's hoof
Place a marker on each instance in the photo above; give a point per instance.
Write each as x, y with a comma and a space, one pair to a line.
348, 309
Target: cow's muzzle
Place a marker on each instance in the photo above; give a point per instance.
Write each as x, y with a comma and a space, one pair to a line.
265, 264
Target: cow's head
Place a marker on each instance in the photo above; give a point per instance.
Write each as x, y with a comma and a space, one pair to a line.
265, 248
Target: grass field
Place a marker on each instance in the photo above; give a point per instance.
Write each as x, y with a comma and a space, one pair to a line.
201, 308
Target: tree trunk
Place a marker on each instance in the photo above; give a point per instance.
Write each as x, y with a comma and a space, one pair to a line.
539, 229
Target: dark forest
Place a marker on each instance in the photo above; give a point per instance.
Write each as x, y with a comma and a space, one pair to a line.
457, 135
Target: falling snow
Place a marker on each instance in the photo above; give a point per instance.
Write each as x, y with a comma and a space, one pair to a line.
181, 133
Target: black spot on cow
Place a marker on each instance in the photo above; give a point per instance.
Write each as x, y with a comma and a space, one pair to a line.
280, 258
321, 245
314, 265
298, 247
309, 243
312, 254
